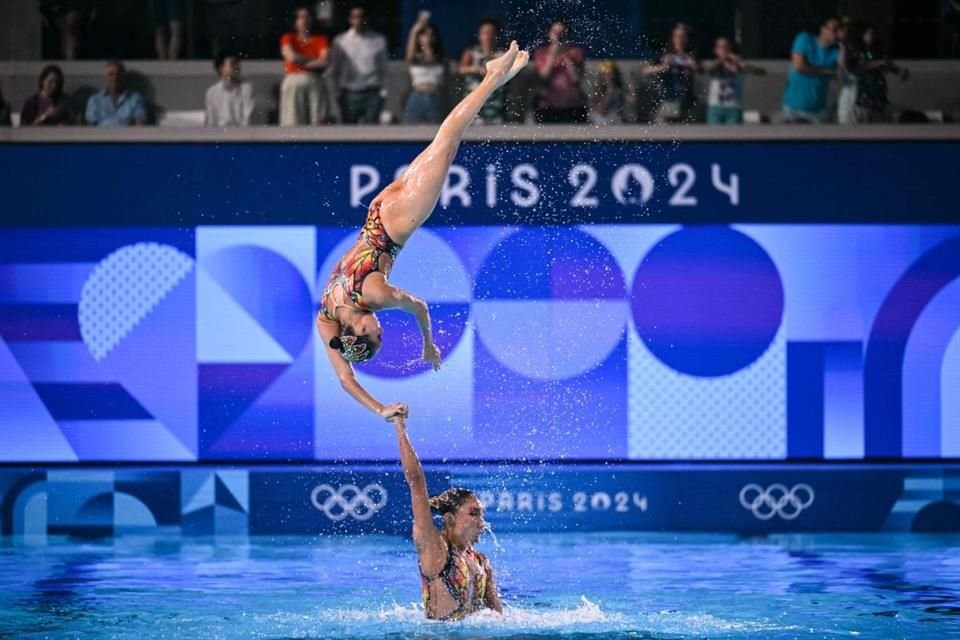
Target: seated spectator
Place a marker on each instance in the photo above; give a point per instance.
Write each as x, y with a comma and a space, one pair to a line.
725, 96
359, 68
5, 120
166, 16
608, 95
427, 72
303, 96
473, 67
230, 102
867, 62
48, 106
115, 106
560, 67
676, 69
68, 17
813, 62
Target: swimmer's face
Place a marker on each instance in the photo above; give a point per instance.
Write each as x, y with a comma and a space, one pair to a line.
468, 523
369, 326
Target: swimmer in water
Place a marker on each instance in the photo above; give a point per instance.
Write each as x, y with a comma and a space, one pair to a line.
457, 579
358, 285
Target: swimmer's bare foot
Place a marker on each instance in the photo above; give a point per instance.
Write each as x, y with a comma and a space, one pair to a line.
508, 65
518, 64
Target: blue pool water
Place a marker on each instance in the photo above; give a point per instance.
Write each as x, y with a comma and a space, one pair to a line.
563, 585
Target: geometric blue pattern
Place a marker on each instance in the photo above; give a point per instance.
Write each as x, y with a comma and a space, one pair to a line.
553, 363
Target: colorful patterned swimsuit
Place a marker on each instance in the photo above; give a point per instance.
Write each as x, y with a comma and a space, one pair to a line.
357, 264
455, 576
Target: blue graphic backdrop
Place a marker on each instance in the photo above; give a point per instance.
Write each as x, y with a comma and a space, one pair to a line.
601, 341
579, 334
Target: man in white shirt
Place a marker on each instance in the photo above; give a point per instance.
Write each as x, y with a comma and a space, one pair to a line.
230, 102
359, 69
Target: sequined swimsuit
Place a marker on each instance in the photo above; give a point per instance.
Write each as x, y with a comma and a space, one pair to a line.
469, 594
358, 263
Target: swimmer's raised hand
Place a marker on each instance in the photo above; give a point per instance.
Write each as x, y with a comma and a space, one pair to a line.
395, 410
431, 354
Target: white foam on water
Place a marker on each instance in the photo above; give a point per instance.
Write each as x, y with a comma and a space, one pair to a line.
588, 616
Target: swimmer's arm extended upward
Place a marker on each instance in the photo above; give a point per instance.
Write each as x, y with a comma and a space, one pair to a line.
426, 537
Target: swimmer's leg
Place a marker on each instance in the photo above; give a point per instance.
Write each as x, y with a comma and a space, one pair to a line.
418, 189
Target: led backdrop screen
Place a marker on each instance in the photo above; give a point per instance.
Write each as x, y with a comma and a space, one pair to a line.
580, 312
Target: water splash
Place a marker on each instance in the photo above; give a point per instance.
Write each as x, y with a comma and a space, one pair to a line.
513, 618
496, 543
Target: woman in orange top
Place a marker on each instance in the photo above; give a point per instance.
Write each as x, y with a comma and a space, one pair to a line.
358, 285
303, 96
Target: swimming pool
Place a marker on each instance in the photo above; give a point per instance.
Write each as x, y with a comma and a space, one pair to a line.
592, 585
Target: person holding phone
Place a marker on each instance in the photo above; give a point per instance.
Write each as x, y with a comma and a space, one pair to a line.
676, 69
428, 72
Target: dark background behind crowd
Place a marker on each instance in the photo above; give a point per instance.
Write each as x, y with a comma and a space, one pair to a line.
127, 29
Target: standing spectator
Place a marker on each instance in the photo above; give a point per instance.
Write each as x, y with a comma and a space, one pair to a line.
560, 67
228, 25
676, 68
48, 106
359, 69
115, 106
847, 96
868, 63
166, 16
427, 72
5, 120
813, 61
68, 17
725, 96
230, 102
303, 96
473, 67
608, 95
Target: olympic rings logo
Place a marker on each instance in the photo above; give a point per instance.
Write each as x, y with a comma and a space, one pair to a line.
776, 500
349, 500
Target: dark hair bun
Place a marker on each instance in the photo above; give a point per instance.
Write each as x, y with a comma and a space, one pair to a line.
336, 343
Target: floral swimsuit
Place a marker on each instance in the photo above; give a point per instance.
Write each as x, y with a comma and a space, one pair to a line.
469, 594
357, 264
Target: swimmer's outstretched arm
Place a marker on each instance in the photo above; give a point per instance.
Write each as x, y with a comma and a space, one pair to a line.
382, 295
431, 548
348, 379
